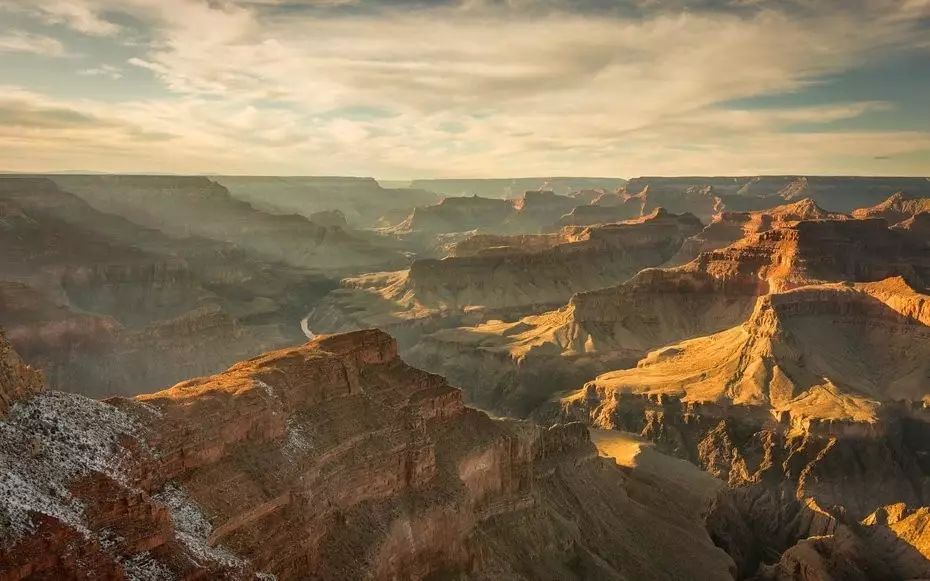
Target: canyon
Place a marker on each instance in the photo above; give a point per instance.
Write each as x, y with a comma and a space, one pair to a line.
720, 378
107, 306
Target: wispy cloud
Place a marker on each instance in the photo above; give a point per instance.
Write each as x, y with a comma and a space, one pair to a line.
80, 15
23, 42
108, 71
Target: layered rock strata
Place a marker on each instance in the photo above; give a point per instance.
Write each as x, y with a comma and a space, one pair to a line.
333, 460
490, 277
523, 362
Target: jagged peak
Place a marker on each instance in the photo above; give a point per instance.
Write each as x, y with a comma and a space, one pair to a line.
896, 197
896, 207
803, 209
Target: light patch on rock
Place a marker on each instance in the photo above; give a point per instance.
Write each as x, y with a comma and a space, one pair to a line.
193, 529
269, 391
144, 567
46, 443
298, 440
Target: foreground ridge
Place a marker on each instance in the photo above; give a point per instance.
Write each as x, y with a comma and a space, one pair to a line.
331, 460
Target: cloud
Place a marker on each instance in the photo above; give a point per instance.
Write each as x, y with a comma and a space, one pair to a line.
79, 15
23, 42
529, 86
108, 71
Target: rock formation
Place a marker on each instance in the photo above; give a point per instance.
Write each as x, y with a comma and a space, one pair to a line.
17, 380
815, 354
813, 409
814, 412
729, 227
333, 460
596, 213
523, 362
490, 276
782, 354
458, 215
897, 208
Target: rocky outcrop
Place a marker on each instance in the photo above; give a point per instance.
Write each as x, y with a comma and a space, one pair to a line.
539, 209
729, 227
330, 219
699, 200
18, 381
333, 460
897, 208
587, 259
458, 215
500, 244
98, 355
917, 229
890, 544
791, 490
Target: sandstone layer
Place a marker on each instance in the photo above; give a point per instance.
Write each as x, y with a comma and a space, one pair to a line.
814, 409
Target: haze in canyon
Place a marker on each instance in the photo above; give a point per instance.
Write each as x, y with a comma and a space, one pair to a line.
531, 290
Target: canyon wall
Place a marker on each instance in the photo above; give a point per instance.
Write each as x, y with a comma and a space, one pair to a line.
332, 460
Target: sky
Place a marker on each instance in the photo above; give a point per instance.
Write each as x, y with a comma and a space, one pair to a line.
399, 89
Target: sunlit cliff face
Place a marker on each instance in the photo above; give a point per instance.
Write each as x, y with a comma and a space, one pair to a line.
420, 88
